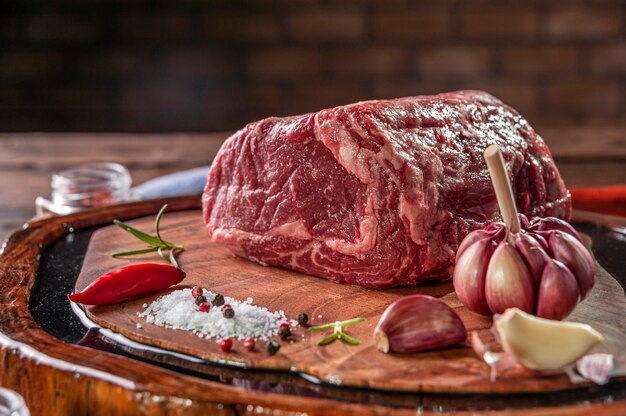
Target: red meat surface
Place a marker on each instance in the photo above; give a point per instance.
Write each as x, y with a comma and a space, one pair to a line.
377, 193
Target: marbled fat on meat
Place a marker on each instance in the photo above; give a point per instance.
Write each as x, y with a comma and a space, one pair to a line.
377, 193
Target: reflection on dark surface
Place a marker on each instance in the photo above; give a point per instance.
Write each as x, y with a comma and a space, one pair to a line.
609, 249
60, 265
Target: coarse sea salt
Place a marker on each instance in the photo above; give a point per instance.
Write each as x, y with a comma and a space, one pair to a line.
178, 310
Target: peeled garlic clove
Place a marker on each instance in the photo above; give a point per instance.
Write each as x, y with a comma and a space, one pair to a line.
417, 323
469, 276
575, 256
508, 282
543, 344
553, 224
558, 292
533, 254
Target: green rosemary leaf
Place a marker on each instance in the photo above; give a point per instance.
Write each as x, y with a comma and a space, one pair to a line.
135, 252
146, 238
351, 321
157, 243
349, 339
321, 327
157, 222
333, 324
328, 339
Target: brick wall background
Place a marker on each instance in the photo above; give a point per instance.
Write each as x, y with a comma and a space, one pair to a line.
185, 65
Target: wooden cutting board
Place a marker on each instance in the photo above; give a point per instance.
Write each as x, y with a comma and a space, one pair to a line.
455, 369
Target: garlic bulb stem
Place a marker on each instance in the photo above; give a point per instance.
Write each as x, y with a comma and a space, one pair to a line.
502, 186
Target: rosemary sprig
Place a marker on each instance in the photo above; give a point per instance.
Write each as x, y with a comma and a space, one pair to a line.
157, 222
328, 339
135, 252
347, 338
334, 324
156, 242
337, 331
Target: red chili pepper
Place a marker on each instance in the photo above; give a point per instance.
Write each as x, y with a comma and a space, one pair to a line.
127, 283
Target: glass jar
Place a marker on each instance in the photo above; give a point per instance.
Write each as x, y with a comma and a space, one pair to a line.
86, 186
12, 404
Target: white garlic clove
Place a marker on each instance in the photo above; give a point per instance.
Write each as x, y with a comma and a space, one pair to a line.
575, 256
533, 254
558, 292
418, 323
543, 344
508, 283
469, 275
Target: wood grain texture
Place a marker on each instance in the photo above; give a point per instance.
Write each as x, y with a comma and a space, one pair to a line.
594, 142
59, 379
38, 151
450, 370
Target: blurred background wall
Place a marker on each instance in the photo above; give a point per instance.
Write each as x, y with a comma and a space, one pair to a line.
184, 65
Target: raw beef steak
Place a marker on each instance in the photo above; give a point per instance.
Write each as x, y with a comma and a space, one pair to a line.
377, 193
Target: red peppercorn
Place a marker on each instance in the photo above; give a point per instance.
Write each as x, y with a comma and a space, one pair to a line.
226, 344
248, 343
196, 291
204, 307
226, 305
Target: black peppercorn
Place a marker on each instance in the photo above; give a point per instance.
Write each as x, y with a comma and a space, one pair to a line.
200, 299
272, 347
303, 318
218, 300
284, 332
228, 312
